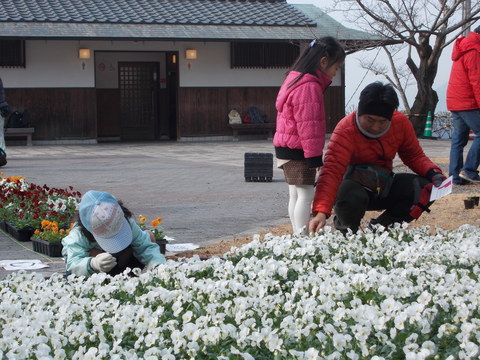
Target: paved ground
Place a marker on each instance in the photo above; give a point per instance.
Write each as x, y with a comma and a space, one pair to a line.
198, 188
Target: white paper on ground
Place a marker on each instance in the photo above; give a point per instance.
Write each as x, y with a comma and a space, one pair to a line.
181, 247
443, 190
168, 238
22, 264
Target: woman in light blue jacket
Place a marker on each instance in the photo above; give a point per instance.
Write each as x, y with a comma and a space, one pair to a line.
106, 239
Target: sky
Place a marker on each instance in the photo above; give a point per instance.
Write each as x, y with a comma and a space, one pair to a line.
356, 78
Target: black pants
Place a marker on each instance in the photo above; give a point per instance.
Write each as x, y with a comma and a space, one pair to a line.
353, 200
125, 258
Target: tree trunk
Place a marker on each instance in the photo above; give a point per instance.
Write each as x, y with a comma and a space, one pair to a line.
426, 99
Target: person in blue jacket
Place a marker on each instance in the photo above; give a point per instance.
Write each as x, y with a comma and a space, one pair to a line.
106, 239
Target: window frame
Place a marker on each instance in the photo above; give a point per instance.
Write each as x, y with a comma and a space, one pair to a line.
15, 59
263, 55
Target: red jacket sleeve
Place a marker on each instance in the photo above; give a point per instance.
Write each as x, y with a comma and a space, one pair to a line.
337, 157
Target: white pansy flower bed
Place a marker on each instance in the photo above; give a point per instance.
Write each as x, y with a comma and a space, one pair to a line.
403, 294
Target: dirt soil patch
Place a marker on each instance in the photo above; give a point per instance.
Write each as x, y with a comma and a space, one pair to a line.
447, 213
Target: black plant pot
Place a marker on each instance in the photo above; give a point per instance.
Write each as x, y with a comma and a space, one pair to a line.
3, 225
163, 245
23, 234
47, 248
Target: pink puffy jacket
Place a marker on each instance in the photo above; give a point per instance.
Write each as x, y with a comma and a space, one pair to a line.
300, 132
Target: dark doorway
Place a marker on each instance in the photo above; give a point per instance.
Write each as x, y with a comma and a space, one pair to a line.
138, 85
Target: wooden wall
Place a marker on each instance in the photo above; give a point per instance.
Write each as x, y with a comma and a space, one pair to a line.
57, 113
334, 106
204, 111
66, 113
108, 113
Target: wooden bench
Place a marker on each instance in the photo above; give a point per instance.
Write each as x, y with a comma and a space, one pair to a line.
20, 132
258, 128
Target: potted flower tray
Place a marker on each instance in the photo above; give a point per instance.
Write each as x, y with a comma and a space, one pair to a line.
20, 234
3, 225
52, 249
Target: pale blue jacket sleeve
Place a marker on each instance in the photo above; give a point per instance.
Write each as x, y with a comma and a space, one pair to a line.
147, 252
76, 252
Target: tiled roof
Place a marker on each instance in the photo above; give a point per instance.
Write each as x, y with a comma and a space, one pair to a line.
328, 26
170, 20
165, 12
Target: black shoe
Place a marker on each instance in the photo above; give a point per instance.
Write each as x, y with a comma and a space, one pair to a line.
461, 181
464, 176
387, 221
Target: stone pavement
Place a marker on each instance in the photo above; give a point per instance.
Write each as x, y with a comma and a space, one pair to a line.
198, 188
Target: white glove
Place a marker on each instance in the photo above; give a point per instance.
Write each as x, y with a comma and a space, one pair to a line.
103, 262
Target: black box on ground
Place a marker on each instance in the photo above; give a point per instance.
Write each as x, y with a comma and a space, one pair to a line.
258, 167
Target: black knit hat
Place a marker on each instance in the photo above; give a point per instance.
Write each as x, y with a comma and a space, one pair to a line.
378, 99
376, 108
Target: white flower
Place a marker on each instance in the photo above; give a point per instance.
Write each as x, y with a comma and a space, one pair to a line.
212, 335
245, 356
430, 347
400, 321
470, 349
390, 305
187, 317
340, 341
311, 354
274, 343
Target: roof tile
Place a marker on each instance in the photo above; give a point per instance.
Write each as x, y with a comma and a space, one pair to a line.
201, 12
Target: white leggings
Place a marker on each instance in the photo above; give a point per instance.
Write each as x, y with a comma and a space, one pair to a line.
300, 207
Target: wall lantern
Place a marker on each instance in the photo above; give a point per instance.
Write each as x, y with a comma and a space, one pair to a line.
84, 53
190, 54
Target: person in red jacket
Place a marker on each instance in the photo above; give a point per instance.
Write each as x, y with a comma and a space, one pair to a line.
463, 100
366, 142
300, 131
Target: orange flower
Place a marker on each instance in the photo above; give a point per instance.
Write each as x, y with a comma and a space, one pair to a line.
45, 224
142, 219
157, 222
50, 231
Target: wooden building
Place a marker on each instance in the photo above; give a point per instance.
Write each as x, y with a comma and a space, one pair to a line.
130, 70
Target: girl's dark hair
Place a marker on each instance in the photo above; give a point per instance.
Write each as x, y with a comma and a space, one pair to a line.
309, 59
76, 218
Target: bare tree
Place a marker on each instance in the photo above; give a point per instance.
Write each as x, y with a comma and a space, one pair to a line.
426, 27
397, 74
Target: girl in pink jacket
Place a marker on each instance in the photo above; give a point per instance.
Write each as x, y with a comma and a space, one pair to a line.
300, 130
